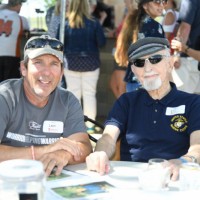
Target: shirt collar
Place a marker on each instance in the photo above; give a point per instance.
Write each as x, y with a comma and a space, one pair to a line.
166, 99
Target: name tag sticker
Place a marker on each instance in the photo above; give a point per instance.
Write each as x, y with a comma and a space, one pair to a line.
175, 110
53, 127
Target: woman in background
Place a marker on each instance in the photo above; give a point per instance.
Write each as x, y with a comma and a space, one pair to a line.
117, 83
170, 20
55, 19
54, 25
83, 37
139, 23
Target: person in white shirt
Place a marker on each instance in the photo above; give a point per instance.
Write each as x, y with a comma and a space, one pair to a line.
12, 29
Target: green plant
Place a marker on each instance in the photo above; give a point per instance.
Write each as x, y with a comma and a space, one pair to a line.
49, 3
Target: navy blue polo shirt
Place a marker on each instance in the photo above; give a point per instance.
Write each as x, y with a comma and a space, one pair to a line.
155, 128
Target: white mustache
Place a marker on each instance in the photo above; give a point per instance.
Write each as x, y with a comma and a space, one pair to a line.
149, 74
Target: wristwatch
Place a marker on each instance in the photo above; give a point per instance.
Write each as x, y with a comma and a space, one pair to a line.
193, 159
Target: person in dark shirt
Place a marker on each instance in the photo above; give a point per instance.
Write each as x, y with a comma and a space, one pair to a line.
101, 8
157, 121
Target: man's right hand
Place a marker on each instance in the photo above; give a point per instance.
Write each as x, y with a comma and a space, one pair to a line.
99, 162
55, 160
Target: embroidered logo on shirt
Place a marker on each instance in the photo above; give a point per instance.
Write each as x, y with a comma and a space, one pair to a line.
179, 123
34, 126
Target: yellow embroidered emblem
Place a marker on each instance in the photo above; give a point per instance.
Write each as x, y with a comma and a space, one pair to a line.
179, 123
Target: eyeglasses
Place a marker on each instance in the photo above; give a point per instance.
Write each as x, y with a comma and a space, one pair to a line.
158, 2
153, 60
42, 42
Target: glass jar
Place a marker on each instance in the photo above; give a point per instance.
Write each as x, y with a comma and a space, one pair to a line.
22, 179
156, 176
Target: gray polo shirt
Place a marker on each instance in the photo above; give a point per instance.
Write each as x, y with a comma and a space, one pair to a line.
23, 124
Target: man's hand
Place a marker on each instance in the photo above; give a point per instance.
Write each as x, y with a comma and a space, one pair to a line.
55, 160
175, 167
67, 145
98, 161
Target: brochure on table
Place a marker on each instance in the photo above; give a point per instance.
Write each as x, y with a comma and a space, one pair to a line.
72, 185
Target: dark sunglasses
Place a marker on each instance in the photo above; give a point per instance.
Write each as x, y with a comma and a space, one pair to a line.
153, 60
42, 42
158, 2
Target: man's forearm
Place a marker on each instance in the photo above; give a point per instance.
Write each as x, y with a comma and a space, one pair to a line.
8, 153
107, 144
184, 32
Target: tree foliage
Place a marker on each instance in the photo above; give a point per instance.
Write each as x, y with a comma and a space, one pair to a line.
49, 3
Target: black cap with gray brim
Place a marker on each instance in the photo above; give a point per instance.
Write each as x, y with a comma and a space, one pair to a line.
146, 46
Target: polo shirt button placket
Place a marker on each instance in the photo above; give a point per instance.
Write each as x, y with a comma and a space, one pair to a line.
156, 111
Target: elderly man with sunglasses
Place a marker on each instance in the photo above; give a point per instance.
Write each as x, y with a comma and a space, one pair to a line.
157, 121
38, 119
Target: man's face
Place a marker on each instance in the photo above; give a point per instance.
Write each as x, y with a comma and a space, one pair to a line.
41, 76
153, 75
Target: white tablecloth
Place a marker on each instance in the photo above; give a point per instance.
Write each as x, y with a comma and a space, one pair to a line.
124, 176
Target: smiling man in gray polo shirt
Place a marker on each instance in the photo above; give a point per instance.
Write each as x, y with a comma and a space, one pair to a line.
38, 119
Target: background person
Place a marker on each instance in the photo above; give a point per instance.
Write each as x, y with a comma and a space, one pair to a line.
189, 33
117, 83
181, 47
83, 37
101, 16
40, 120
170, 20
12, 28
49, 15
105, 14
158, 121
139, 23
170, 26
54, 26
54, 23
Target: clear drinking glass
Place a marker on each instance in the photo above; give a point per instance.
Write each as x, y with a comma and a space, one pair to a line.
157, 175
158, 163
